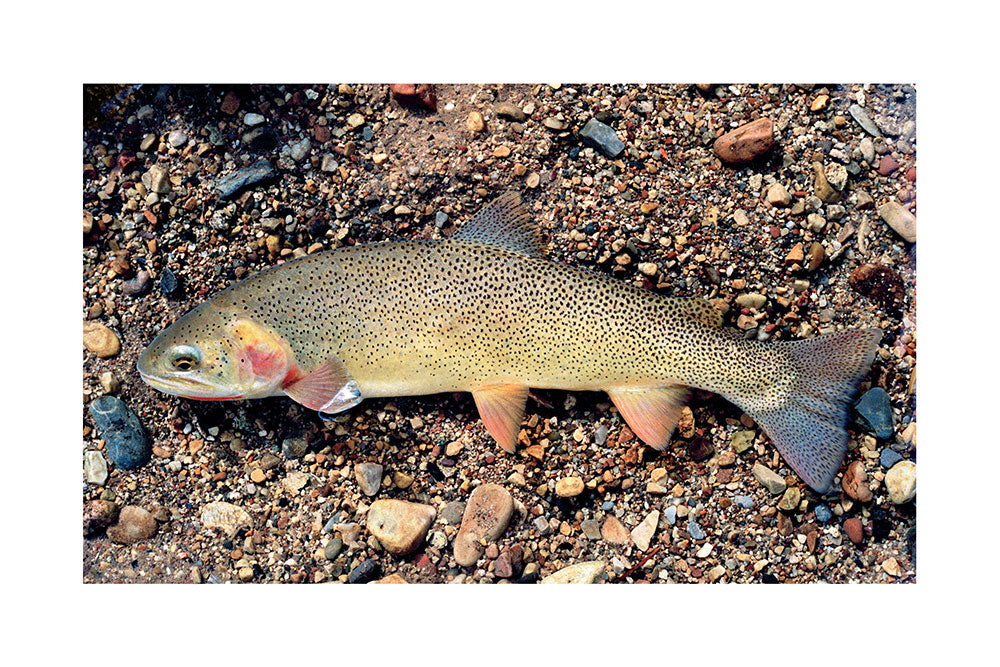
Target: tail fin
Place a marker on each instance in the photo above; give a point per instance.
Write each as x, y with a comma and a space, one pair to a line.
809, 428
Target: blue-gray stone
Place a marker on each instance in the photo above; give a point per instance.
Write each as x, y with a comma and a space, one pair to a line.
367, 132
889, 458
608, 506
259, 172
364, 572
125, 440
440, 218
875, 413
168, 282
695, 531
823, 513
670, 512
602, 137
746, 502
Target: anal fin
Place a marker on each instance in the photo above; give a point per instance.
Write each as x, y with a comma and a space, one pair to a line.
328, 388
502, 409
652, 414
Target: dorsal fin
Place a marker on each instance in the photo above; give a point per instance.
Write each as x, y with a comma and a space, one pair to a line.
700, 310
504, 222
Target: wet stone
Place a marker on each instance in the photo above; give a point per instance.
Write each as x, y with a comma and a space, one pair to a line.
259, 172
859, 114
95, 468
100, 340
125, 440
138, 285
229, 518
487, 513
369, 477
580, 573
169, 283
700, 449
333, 548
855, 482
742, 441
900, 220
880, 284
134, 524
364, 572
603, 138
901, 482
889, 457
745, 143
510, 562
98, 515
400, 526
294, 448
875, 413
769, 479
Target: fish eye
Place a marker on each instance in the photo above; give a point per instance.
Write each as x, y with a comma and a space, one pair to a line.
185, 357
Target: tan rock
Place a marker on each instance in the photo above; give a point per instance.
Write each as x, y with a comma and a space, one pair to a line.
475, 122
825, 191
901, 482
795, 255
569, 487
486, 516
580, 573
134, 524
746, 142
900, 219
391, 579
400, 526
777, 195
100, 340
643, 533
613, 532
227, 517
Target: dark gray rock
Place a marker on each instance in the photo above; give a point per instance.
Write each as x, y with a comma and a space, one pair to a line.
169, 283
603, 138
125, 440
294, 448
364, 572
261, 171
875, 413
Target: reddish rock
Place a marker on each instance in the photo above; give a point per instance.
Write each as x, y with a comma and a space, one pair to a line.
421, 94
321, 133
911, 174
510, 562
855, 482
97, 515
854, 529
879, 283
89, 172
700, 449
746, 143
887, 165
230, 103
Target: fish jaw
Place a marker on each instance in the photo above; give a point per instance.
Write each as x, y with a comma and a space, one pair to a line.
187, 387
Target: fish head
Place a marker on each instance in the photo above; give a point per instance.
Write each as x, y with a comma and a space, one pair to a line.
210, 354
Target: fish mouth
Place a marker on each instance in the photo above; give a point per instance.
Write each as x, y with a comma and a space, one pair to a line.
189, 387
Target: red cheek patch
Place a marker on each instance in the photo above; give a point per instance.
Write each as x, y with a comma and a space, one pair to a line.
266, 361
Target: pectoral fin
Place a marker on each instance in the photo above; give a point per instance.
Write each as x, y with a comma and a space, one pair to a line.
502, 409
652, 414
329, 388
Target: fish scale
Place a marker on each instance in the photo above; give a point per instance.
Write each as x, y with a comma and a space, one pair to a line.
485, 312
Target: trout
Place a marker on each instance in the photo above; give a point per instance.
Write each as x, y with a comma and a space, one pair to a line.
484, 311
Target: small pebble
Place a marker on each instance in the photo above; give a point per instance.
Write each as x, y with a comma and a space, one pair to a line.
901, 482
